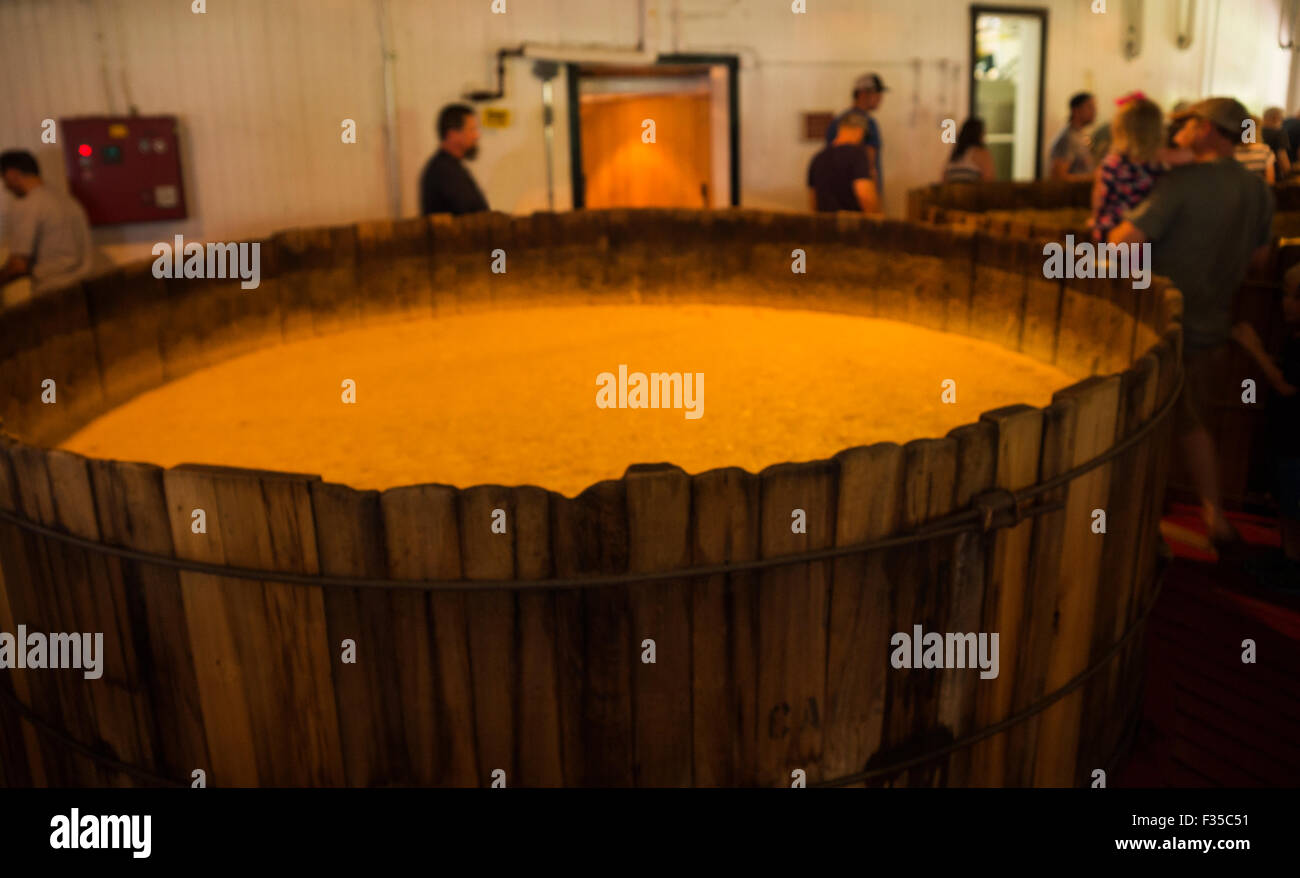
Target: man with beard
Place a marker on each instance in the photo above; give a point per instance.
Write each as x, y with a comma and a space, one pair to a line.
446, 185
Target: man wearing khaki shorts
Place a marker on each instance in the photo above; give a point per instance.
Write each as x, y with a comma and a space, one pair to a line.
1205, 221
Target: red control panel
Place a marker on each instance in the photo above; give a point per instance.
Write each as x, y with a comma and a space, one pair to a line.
124, 169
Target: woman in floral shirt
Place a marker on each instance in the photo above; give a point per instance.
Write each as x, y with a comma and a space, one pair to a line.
1136, 160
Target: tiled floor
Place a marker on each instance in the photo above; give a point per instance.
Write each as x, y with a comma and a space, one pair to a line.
1210, 719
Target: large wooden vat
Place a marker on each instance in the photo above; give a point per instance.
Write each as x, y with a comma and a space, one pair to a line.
997, 195
492, 656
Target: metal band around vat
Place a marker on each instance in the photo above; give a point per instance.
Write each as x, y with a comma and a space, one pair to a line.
11, 701
1037, 707
54, 733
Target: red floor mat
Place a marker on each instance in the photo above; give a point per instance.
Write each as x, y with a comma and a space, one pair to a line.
1209, 719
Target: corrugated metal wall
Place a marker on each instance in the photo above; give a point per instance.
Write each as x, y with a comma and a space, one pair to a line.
261, 86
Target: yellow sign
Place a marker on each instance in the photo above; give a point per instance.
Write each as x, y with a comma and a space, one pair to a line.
117, 130
496, 117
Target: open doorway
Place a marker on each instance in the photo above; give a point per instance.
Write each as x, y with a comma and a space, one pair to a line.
1007, 50
693, 160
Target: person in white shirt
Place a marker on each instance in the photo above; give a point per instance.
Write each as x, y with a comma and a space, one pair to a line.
46, 232
1071, 153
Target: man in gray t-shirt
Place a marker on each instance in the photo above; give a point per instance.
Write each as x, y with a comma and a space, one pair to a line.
1071, 153
46, 231
1205, 222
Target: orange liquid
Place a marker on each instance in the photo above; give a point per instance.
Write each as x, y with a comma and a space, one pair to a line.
509, 397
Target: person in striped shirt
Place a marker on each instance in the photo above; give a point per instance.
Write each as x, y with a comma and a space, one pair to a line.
1257, 157
1275, 137
970, 161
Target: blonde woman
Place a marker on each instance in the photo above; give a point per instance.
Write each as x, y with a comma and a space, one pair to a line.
1130, 169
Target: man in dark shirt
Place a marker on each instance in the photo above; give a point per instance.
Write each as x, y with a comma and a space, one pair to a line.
445, 185
1291, 126
868, 92
839, 177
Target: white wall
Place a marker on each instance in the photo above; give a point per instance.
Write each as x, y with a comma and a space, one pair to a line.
261, 86
797, 63
1028, 100
260, 89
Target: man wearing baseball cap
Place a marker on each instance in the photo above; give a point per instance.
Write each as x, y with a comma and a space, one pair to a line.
1205, 222
868, 91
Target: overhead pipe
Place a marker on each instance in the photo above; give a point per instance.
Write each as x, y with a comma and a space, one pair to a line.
390, 111
103, 61
1133, 29
915, 64
500, 92
1213, 12
546, 71
1184, 26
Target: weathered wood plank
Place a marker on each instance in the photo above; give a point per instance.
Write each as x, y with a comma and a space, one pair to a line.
423, 542
659, 530
132, 511
924, 574
1090, 425
869, 503
539, 758
724, 634
350, 542
589, 536
1019, 435
42, 768
792, 607
976, 471
487, 552
55, 603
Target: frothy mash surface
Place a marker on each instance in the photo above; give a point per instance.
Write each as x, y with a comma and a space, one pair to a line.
509, 397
